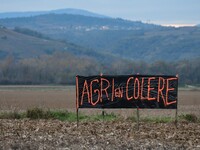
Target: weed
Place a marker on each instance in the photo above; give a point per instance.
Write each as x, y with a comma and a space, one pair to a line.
132, 118
189, 117
157, 119
37, 113
106, 117
63, 115
12, 115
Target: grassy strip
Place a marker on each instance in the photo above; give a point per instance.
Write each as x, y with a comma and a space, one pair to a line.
38, 113
163, 119
189, 117
12, 115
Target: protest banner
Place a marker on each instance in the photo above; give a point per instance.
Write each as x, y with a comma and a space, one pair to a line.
127, 91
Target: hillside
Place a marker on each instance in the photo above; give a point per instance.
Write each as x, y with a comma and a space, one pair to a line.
28, 59
131, 40
22, 46
27, 45
54, 48
54, 23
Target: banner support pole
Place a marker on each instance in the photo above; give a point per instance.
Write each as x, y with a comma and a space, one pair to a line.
77, 102
103, 114
176, 115
138, 118
176, 119
77, 118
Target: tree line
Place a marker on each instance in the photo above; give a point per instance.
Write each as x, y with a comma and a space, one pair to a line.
62, 67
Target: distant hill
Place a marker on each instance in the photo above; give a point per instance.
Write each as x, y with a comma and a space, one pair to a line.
50, 23
29, 45
58, 11
22, 46
54, 48
131, 40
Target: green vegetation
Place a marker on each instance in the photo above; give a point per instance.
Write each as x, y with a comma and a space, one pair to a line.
158, 119
65, 116
30, 32
62, 67
189, 117
106, 117
38, 113
163, 119
12, 115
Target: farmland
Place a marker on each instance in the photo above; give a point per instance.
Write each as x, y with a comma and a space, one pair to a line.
21, 98
116, 134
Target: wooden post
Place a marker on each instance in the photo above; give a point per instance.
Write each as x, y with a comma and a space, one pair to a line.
77, 118
77, 101
176, 114
176, 118
103, 114
138, 118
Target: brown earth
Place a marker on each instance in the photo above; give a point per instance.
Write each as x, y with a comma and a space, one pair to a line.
54, 134
63, 97
121, 134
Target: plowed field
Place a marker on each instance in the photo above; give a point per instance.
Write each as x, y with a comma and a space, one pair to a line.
121, 134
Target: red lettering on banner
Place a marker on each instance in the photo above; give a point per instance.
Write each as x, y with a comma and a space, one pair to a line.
127, 89
167, 91
142, 89
104, 89
95, 91
85, 87
113, 89
138, 89
160, 89
150, 89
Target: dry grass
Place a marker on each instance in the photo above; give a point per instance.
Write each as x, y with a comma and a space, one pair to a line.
24, 97
63, 97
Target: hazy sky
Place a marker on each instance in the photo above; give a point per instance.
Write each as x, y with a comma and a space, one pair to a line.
153, 11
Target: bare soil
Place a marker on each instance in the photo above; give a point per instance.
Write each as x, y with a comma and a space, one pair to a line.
21, 98
121, 134
54, 134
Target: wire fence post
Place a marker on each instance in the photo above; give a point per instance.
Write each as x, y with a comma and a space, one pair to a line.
176, 114
77, 101
103, 114
77, 118
176, 118
138, 118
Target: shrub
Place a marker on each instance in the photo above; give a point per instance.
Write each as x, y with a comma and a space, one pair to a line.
11, 115
35, 113
189, 117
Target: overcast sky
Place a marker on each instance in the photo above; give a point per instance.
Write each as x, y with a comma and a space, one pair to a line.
153, 11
